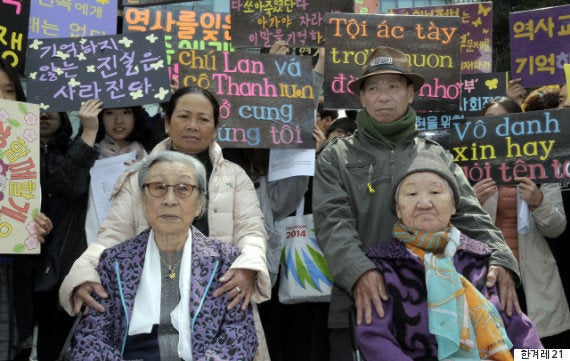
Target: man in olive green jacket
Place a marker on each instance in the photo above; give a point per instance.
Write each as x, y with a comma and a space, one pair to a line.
353, 186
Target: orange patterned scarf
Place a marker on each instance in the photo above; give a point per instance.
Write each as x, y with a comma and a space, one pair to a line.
465, 324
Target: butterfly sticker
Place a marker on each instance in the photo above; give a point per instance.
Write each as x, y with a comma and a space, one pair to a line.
492, 83
483, 10
151, 38
161, 93
36, 44
126, 42
137, 94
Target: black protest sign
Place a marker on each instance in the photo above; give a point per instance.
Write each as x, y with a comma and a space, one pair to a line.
14, 19
478, 89
121, 70
300, 23
266, 100
183, 29
432, 45
530, 144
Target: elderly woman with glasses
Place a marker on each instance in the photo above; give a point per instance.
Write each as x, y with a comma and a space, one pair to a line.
160, 284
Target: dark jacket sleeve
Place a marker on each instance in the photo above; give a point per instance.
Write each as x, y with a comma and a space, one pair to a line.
335, 226
72, 179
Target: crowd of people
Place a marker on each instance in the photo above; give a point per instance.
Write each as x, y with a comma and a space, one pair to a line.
185, 264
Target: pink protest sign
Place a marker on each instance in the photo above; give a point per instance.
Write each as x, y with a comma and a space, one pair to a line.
19, 176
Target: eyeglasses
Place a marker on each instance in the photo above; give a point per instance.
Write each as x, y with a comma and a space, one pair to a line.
182, 190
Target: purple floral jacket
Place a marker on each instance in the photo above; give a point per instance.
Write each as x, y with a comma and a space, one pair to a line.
217, 333
403, 332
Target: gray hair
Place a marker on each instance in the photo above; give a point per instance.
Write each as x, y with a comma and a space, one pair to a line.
175, 157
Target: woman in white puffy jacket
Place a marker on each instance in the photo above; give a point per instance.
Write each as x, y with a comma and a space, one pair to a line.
233, 215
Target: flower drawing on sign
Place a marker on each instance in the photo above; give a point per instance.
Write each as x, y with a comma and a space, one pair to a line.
159, 64
81, 57
33, 75
44, 106
29, 135
62, 55
90, 68
126, 42
30, 118
4, 116
151, 38
59, 71
36, 44
73, 83
32, 228
137, 94
162, 92
31, 243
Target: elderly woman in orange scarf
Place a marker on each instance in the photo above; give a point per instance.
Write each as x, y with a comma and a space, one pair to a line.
439, 306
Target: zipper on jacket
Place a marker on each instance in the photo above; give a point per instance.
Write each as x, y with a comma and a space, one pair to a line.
214, 272
123, 303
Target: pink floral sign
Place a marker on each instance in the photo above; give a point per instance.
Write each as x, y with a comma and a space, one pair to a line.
19, 177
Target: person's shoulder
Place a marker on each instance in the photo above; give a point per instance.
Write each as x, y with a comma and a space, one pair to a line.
339, 147
216, 248
127, 248
474, 247
389, 249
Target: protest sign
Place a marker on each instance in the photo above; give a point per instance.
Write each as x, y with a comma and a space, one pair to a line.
14, 17
121, 70
266, 100
476, 31
529, 144
72, 18
183, 29
540, 45
123, 3
366, 6
299, 23
431, 44
19, 176
478, 89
